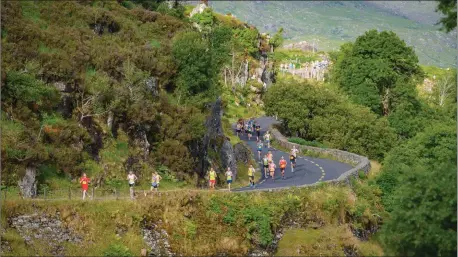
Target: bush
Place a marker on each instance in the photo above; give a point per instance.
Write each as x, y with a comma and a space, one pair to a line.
117, 250
301, 141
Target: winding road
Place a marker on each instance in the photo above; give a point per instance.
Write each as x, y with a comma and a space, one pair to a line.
308, 170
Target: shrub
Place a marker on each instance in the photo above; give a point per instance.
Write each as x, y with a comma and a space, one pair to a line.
117, 250
301, 141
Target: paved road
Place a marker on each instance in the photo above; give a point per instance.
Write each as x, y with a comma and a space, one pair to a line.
308, 170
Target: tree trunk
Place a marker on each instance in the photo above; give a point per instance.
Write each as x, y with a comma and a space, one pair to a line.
386, 102
110, 120
28, 183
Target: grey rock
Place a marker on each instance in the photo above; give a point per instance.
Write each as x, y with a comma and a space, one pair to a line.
242, 152
153, 86
28, 183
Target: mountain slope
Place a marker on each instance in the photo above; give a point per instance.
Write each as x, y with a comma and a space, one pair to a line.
330, 24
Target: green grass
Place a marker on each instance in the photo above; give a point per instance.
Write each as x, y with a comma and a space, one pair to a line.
324, 241
199, 223
302, 141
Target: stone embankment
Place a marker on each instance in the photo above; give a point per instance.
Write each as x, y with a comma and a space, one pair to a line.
360, 163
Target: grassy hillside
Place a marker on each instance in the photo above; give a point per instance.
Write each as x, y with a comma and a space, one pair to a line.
211, 224
330, 24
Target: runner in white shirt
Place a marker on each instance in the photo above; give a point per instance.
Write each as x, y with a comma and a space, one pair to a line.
131, 178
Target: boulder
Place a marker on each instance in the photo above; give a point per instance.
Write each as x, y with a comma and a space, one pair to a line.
28, 184
153, 86
198, 9
214, 139
242, 152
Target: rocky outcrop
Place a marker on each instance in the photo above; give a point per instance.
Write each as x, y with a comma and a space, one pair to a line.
152, 86
66, 105
268, 73
215, 140
157, 241
200, 8
303, 45
242, 153
28, 183
45, 228
105, 24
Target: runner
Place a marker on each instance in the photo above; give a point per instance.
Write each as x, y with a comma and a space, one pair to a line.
272, 170
292, 157
246, 130
282, 165
253, 125
258, 132
242, 123
267, 139
270, 156
259, 149
265, 162
229, 178
238, 128
249, 130
251, 172
212, 178
131, 178
84, 181
155, 179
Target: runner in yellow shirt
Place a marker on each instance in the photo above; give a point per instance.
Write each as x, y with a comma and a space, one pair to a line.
251, 172
212, 178
229, 178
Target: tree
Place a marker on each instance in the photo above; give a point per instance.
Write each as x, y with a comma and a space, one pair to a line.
277, 40
435, 145
371, 68
418, 182
322, 114
194, 60
445, 89
448, 8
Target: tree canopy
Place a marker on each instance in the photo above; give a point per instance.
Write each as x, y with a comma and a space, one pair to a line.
324, 115
448, 8
374, 66
418, 182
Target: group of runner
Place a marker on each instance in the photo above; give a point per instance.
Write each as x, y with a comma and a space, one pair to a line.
248, 127
131, 179
242, 127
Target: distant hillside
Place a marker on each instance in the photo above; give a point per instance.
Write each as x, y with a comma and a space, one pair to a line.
330, 24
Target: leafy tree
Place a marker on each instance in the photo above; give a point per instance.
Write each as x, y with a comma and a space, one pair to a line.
435, 145
205, 20
314, 113
277, 40
247, 40
194, 61
373, 67
418, 182
448, 8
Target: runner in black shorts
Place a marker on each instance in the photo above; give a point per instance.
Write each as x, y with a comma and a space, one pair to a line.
258, 132
292, 158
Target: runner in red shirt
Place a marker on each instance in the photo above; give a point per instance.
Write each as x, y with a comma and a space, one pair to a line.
282, 167
84, 181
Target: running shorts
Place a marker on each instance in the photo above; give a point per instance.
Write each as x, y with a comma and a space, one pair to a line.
212, 181
229, 181
154, 185
131, 185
